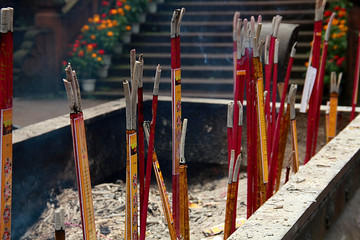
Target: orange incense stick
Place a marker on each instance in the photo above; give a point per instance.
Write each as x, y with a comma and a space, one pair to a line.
294, 141
176, 110
131, 214
183, 191
334, 94
258, 76
80, 154
161, 185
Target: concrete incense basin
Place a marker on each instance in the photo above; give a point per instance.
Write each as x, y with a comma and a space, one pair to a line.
43, 156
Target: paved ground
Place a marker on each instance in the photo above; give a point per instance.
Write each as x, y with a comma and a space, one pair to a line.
29, 111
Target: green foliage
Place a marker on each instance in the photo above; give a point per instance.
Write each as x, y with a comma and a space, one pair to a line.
338, 37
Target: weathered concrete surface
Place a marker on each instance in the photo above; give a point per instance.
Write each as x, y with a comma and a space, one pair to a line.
308, 205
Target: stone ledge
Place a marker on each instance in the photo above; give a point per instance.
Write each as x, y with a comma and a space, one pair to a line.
300, 209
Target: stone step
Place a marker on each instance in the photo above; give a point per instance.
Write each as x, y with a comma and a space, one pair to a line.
206, 45
213, 26
186, 59
228, 15
208, 48
189, 72
192, 6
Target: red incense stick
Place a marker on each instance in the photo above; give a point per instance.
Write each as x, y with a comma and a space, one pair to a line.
230, 118
235, 21
320, 85
150, 153
356, 81
275, 76
315, 62
141, 135
275, 140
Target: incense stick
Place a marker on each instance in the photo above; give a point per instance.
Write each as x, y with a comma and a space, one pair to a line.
150, 152
161, 185
275, 145
80, 154
319, 87
356, 80
6, 116
176, 109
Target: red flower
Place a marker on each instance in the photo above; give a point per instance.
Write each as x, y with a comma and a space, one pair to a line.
336, 57
94, 45
74, 49
101, 51
103, 15
84, 42
64, 63
343, 9
327, 13
340, 61
77, 41
81, 53
119, 4
80, 37
337, 8
105, 3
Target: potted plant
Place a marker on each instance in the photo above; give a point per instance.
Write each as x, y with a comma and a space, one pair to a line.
86, 59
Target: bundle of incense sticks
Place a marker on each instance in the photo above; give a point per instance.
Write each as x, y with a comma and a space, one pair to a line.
308, 96
80, 154
276, 136
318, 88
6, 98
176, 111
263, 124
